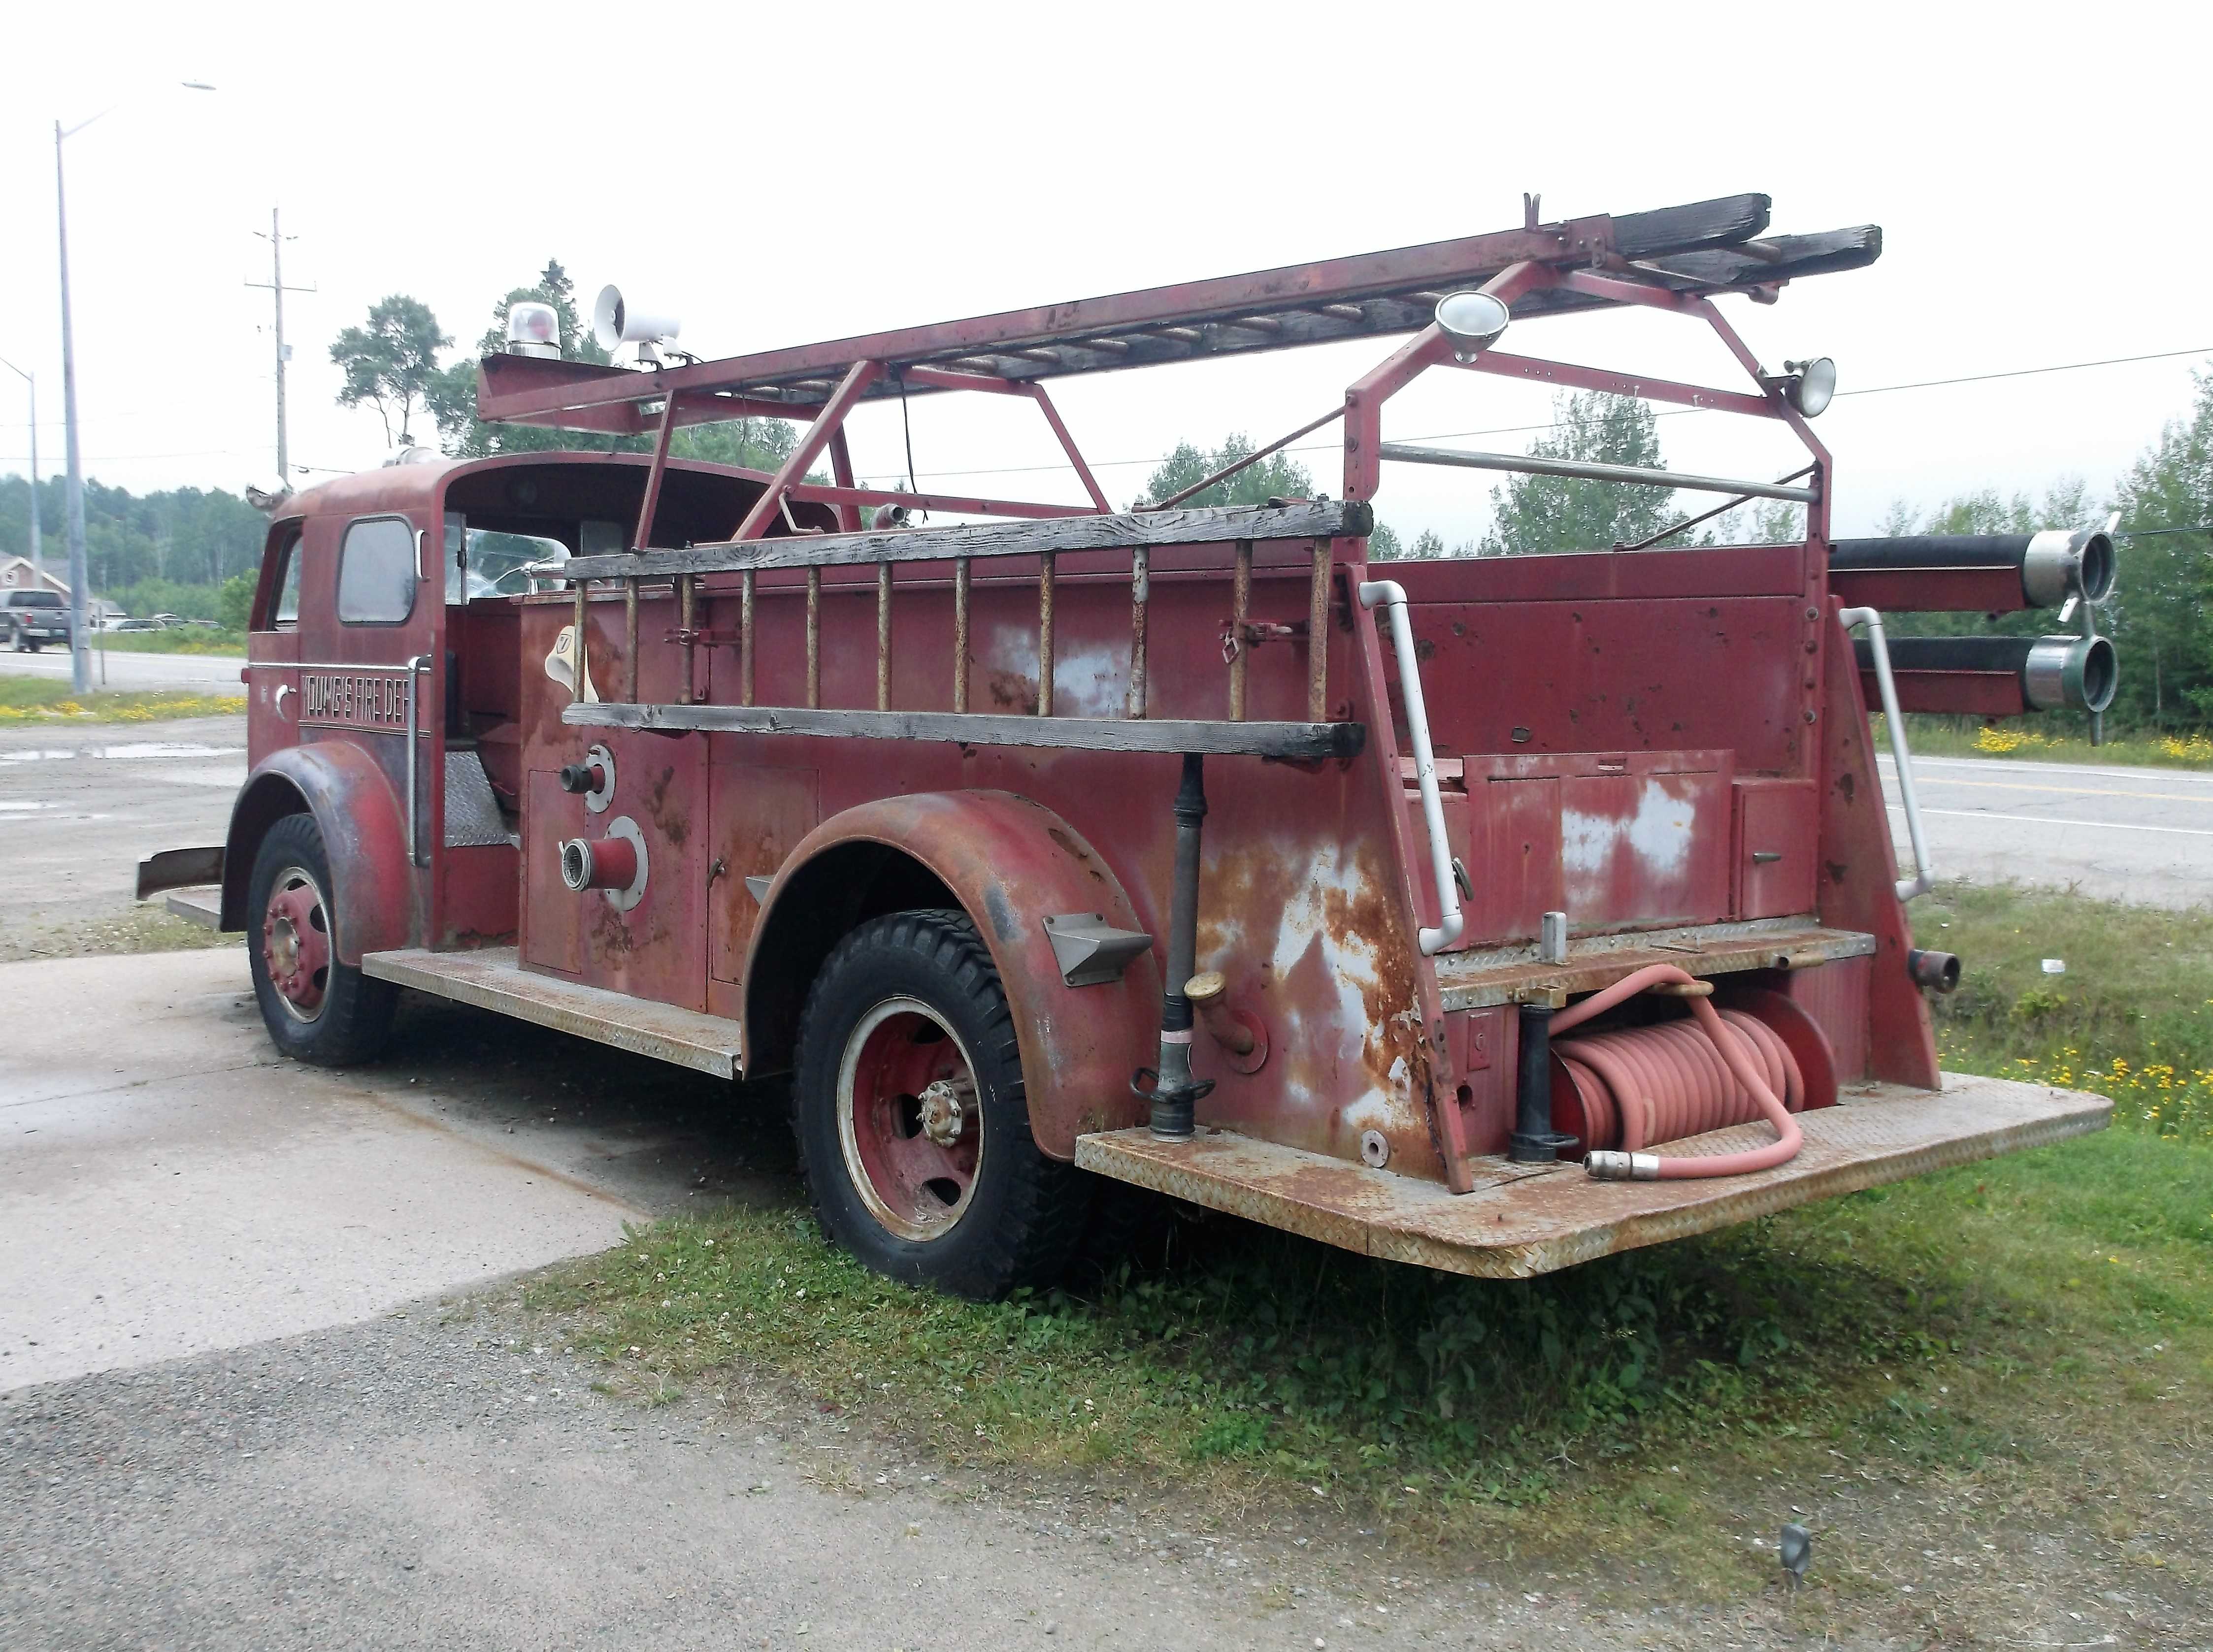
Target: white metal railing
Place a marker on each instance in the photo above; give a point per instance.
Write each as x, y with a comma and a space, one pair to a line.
1924, 876
1387, 593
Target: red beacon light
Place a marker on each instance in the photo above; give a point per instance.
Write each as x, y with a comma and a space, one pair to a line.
533, 329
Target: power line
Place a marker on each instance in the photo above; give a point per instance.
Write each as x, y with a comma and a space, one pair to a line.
1671, 413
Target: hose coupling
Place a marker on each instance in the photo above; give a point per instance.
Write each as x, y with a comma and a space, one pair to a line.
1608, 1166
1938, 971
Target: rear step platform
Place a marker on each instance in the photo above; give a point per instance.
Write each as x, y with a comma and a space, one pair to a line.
493, 980
1523, 1220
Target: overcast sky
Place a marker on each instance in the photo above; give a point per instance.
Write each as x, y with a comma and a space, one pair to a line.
778, 174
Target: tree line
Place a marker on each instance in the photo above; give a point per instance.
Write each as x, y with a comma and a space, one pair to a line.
173, 552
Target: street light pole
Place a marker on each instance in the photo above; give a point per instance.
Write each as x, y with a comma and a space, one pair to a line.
38, 556
79, 658
80, 651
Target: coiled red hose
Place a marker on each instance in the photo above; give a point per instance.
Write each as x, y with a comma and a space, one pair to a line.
1663, 1083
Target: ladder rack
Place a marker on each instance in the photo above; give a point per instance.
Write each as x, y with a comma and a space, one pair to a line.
1319, 522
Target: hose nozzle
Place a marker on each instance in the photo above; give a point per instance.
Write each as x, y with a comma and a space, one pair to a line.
1605, 1165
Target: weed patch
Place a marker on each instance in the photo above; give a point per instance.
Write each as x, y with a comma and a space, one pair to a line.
41, 699
2131, 1017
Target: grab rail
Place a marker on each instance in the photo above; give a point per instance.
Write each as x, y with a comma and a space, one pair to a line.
1925, 877
1387, 593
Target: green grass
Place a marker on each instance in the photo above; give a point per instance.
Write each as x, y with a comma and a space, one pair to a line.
1920, 1338
1930, 1328
2133, 1017
42, 699
1971, 737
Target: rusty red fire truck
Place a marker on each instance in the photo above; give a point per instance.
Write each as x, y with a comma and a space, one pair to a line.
1491, 913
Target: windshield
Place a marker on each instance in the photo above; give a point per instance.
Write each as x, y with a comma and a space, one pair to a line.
495, 560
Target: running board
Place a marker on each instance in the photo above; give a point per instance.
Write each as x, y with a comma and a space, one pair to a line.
493, 980
1522, 1220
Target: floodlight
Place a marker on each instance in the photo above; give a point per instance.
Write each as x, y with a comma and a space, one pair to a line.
1811, 385
1472, 321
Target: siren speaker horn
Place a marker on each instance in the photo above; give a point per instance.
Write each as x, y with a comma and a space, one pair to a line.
615, 322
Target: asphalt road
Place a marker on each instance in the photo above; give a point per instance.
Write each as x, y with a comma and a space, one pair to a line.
198, 673
2124, 833
79, 806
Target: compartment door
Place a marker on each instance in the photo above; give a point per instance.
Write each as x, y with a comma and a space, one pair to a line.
757, 816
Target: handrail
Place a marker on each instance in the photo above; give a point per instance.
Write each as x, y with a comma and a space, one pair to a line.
1388, 594
416, 664
1925, 877
1590, 471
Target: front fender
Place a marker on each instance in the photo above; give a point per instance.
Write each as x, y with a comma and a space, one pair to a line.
365, 839
1011, 864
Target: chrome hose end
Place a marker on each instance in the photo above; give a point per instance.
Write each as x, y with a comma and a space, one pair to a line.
1605, 1166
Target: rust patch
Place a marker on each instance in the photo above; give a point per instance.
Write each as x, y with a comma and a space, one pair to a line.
675, 825
1011, 691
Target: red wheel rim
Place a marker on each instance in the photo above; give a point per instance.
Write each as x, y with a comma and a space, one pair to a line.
296, 942
909, 1119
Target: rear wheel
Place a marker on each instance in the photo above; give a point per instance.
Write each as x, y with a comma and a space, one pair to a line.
316, 1008
912, 1122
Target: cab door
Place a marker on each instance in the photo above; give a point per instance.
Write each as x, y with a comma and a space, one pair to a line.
371, 617
272, 645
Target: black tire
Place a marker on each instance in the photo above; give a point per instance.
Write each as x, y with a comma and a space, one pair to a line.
316, 1009
903, 998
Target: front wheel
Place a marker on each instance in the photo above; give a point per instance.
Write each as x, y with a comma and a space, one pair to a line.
317, 1009
912, 1122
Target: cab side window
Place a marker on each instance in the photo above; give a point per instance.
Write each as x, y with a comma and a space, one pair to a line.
376, 572
287, 585
284, 608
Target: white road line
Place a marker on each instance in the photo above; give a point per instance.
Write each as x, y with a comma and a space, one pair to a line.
2102, 771
2047, 820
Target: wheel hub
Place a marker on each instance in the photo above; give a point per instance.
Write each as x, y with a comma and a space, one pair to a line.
909, 1119
941, 1109
295, 943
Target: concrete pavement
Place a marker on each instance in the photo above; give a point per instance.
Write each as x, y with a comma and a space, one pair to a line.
169, 1185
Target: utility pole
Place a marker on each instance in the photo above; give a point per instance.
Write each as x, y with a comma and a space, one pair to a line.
275, 286
38, 556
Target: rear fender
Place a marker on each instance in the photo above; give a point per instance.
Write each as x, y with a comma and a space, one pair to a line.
364, 839
1010, 864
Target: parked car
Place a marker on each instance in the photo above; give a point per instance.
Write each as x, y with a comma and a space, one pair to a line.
35, 618
138, 625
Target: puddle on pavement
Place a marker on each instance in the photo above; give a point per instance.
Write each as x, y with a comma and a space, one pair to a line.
132, 751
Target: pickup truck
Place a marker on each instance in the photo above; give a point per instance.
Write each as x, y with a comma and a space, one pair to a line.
34, 618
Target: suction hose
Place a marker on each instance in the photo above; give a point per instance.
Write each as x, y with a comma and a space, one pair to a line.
1656, 1064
